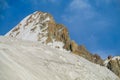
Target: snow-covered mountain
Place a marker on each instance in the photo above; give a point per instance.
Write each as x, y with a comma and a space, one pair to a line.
26, 60
41, 27
41, 50
113, 63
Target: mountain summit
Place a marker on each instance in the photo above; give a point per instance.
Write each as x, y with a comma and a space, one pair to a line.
41, 27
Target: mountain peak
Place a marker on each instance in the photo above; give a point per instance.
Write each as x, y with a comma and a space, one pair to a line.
41, 27
31, 26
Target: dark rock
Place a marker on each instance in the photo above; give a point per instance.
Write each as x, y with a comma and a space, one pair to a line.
114, 66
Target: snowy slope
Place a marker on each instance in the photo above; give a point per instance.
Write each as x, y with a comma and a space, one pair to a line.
24, 60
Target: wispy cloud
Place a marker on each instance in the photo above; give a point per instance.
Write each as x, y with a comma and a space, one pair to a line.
82, 11
3, 6
79, 9
1, 17
54, 1
79, 4
37, 2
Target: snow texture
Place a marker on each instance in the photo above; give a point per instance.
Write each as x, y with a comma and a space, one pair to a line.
25, 60
56, 44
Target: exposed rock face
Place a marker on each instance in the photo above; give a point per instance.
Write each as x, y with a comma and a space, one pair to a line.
41, 27
59, 33
97, 59
113, 64
73, 47
82, 51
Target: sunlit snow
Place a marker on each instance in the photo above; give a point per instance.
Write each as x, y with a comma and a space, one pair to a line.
25, 60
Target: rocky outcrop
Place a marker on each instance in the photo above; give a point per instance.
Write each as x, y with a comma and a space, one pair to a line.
82, 51
58, 32
113, 64
97, 59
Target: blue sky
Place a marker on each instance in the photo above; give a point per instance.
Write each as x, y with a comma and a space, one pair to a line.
93, 23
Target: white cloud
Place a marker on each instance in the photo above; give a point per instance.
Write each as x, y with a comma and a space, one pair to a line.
79, 9
83, 10
79, 4
3, 6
